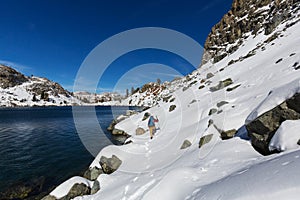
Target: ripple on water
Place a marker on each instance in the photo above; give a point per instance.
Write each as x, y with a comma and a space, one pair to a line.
36, 142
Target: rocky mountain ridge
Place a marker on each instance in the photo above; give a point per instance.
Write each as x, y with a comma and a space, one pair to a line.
16, 89
101, 99
247, 18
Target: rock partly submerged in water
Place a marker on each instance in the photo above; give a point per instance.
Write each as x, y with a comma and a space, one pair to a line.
78, 189
24, 190
49, 197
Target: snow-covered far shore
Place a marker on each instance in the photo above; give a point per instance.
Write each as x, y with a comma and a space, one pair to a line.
217, 98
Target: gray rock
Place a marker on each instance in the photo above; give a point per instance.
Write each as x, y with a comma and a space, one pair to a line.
225, 135
118, 132
212, 111
172, 107
221, 103
232, 88
96, 187
110, 165
193, 101
219, 111
201, 87
77, 190
139, 131
185, 88
166, 99
209, 75
92, 174
173, 99
205, 139
186, 144
221, 85
130, 112
262, 129
49, 197
294, 103
112, 125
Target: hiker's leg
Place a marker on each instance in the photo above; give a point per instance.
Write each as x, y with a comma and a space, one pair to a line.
151, 131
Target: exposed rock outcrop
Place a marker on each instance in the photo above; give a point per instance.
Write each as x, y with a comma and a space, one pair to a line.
16, 89
262, 129
10, 77
77, 190
246, 17
92, 174
49, 197
225, 135
96, 187
110, 165
221, 85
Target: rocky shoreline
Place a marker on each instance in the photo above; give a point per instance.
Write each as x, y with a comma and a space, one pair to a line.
108, 165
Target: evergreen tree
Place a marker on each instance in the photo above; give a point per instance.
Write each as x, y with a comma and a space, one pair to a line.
34, 98
158, 81
127, 93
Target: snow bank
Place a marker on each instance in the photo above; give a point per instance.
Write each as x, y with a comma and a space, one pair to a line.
275, 97
286, 137
276, 178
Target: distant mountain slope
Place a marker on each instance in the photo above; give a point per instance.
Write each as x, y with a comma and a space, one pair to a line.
17, 89
107, 98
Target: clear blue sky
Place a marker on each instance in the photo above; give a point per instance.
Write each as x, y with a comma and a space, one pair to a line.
51, 38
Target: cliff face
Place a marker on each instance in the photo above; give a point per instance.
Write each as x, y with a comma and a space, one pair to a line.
246, 17
10, 77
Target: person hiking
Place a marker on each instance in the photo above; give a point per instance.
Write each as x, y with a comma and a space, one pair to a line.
151, 125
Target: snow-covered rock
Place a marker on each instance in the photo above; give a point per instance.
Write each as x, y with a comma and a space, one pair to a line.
262, 123
286, 137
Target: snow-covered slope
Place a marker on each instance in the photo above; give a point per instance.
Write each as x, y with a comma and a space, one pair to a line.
224, 94
17, 89
107, 98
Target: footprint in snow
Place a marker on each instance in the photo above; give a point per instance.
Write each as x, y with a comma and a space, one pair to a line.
135, 179
285, 163
243, 171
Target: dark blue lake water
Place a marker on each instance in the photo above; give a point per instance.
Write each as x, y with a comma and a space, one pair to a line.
43, 142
